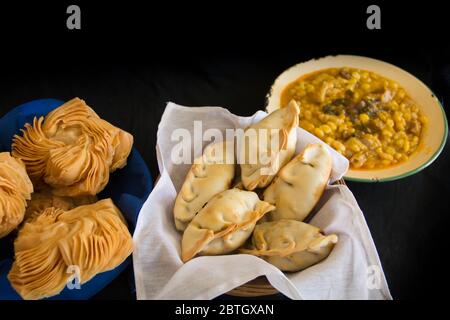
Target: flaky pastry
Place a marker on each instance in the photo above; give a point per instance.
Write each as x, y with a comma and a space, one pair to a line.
72, 149
15, 189
88, 239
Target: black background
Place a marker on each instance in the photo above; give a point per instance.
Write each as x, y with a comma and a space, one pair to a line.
129, 59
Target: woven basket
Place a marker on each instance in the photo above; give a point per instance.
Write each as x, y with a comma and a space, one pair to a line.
260, 286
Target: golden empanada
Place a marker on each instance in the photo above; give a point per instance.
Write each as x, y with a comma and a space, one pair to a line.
91, 239
224, 224
72, 149
290, 245
300, 184
268, 145
15, 189
210, 174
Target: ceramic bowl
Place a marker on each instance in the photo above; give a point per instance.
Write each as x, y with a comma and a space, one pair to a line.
433, 137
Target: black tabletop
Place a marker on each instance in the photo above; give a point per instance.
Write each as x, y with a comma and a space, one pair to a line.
407, 218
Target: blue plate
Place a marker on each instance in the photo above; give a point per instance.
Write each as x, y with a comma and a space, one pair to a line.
128, 187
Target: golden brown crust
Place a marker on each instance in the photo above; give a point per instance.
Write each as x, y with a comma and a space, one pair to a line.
290, 245
224, 224
300, 183
72, 149
15, 189
94, 238
284, 121
44, 199
206, 178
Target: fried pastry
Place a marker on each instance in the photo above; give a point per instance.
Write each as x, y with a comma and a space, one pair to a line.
92, 238
15, 189
72, 149
44, 199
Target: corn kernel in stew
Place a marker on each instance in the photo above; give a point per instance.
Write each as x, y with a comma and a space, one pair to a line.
368, 118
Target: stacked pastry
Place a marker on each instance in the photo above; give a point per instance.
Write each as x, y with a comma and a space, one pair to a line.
68, 155
45, 198
15, 189
72, 149
86, 240
263, 213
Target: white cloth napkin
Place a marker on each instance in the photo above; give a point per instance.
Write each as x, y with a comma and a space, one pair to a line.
351, 271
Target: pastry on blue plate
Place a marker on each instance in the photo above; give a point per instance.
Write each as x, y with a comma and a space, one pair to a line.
58, 245
43, 199
15, 189
72, 149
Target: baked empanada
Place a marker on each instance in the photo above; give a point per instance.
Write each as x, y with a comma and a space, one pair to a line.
91, 239
300, 184
268, 145
15, 189
210, 174
290, 245
224, 224
72, 149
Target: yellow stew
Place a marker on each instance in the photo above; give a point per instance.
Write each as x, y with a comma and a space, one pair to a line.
369, 119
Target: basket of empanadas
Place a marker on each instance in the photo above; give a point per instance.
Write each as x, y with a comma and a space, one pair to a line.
71, 187
245, 198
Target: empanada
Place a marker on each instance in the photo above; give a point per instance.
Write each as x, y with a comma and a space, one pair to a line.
268, 145
15, 189
91, 239
210, 174
72, 149
290, 245
224, 224
300, 184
